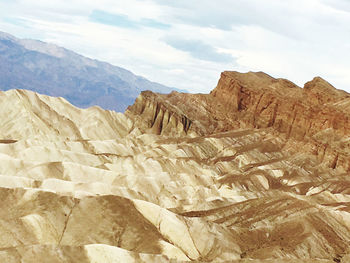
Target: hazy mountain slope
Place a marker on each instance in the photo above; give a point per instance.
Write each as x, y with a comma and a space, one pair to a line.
176, 178
55, 71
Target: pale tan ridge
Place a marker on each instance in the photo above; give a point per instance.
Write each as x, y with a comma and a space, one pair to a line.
179, 177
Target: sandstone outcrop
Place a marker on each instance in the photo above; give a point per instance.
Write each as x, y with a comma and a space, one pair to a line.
316, 117
255, 171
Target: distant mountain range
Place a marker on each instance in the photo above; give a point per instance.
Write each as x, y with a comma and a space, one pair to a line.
55, 71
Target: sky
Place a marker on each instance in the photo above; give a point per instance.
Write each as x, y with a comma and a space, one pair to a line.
187, 43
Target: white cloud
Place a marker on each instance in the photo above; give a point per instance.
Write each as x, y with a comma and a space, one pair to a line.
295, 39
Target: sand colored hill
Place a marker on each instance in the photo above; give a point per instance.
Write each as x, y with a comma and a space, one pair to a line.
231, 176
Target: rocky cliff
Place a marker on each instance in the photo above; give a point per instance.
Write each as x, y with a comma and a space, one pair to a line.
255, 171
315, 117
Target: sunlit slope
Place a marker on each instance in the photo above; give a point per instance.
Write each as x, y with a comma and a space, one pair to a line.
98, 186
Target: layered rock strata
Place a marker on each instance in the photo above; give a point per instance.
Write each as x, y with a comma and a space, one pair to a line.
180, 177
316, 117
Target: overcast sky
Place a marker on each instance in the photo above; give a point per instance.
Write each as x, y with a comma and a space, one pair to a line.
187, 43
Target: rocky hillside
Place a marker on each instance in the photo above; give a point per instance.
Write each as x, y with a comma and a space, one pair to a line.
255, 171
55, 71
314, 119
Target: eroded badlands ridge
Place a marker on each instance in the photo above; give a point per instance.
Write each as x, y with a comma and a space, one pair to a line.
315, 117
237, 175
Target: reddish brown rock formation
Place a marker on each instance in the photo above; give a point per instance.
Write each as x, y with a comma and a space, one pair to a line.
238, 175
314, 119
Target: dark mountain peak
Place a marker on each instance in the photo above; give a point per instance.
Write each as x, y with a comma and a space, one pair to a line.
49, 69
